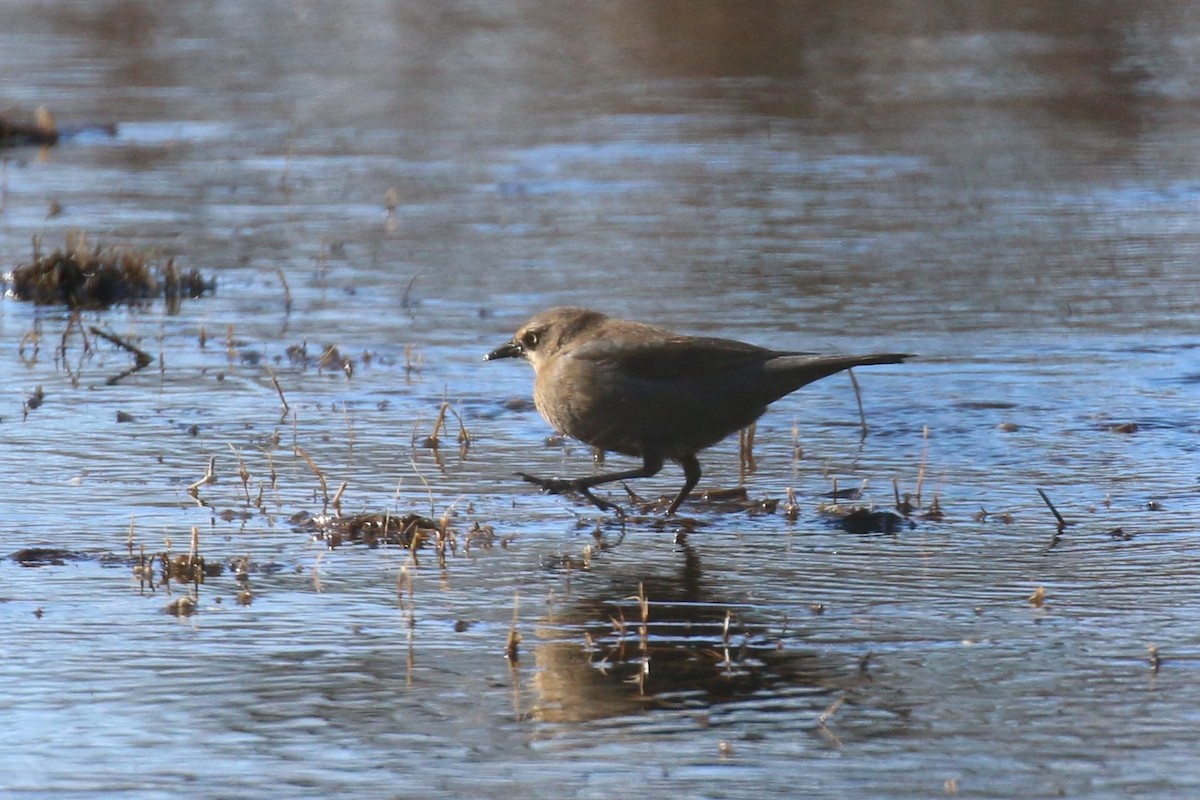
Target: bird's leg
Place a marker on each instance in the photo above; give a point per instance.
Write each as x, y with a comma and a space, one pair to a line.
651, 465
691, 475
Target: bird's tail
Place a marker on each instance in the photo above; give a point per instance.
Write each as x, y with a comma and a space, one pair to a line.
800, 370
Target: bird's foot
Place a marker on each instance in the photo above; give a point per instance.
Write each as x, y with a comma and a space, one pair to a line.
560, 486
551, 485
602, 504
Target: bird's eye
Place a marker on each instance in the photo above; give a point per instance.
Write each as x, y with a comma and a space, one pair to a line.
529, 340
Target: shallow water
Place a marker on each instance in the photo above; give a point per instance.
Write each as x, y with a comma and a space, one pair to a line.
1010, 191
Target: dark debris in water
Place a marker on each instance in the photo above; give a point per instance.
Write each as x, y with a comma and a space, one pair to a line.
100, 277
45, 556
862, 520
20, 128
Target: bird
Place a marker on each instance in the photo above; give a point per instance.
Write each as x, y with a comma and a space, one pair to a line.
645, 391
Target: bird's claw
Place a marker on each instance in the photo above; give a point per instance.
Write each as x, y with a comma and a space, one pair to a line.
559, 486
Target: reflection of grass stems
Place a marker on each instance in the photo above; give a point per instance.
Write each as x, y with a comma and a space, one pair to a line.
194, 569
242, 473
511, 648
278, 390
464, 436
413, 360
274, 478
644, 629
428, 488
287, 292
404, 585
316, 572
165, 558
862, 417
145, 571
746, 463
349, 433
791, 509
924, 459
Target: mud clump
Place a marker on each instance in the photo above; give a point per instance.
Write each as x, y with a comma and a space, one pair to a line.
102, 277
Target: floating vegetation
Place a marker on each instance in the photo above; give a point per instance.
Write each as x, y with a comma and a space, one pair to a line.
371, 529
81, 278
44, 556
189, 568
403, 530
183, 606
861, 519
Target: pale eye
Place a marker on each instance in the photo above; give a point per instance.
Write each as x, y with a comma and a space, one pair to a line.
529, 340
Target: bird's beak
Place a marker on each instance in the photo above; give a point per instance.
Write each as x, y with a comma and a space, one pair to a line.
506, 350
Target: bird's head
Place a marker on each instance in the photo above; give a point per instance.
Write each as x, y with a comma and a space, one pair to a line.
546, 334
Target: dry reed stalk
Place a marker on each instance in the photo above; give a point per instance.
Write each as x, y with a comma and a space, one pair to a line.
316, 471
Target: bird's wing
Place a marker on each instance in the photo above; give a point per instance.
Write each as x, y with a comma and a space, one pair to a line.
672, 357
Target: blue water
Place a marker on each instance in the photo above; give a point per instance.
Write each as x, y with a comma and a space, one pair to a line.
1009, 192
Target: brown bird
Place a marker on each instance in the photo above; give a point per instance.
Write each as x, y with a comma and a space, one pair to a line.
645, 391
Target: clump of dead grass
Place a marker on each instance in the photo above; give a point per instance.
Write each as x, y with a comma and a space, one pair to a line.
91, 278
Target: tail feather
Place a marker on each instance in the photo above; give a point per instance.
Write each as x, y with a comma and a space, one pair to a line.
796, 371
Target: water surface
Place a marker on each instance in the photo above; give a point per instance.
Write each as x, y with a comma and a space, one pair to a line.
1009, 190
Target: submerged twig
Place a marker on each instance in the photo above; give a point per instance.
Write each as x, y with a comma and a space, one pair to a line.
142, 359
1062, 523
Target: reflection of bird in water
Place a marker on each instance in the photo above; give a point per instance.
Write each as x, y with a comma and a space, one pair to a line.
663, 642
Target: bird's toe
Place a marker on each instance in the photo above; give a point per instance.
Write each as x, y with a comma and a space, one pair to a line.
552, 485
